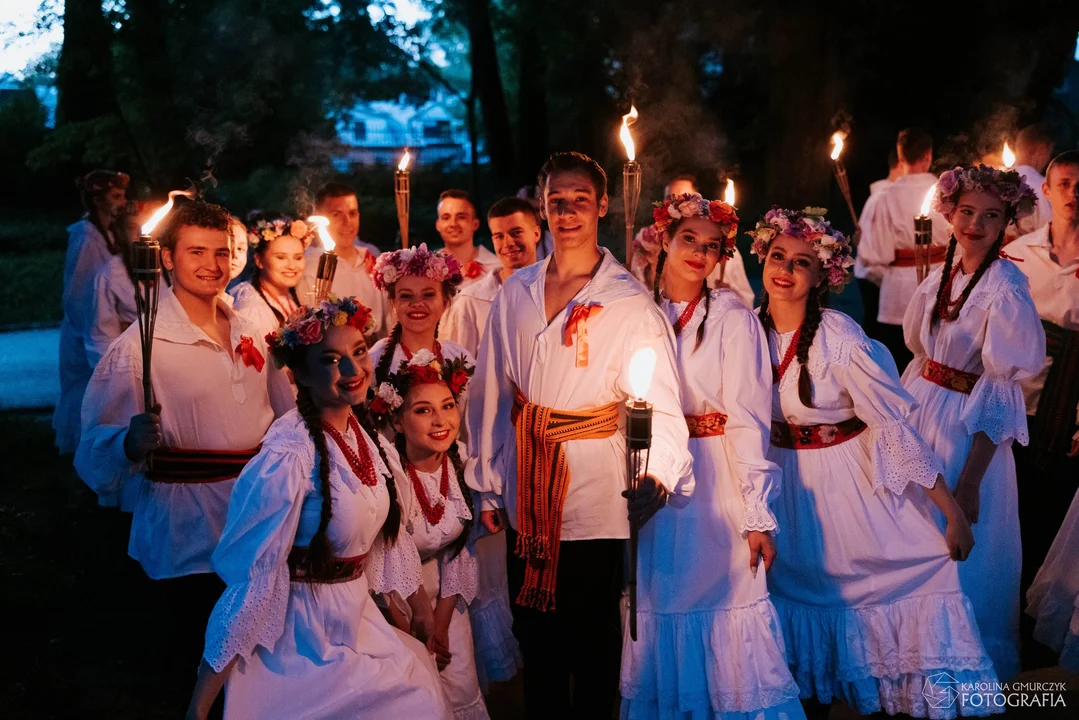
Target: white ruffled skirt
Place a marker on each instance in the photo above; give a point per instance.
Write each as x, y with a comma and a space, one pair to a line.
1053, 597
709, 641
498, 656
867, 595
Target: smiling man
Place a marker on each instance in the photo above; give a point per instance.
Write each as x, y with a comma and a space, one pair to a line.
515, 232
552, 376
173, 465
457, 224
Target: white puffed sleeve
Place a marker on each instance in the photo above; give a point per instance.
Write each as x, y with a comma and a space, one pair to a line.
899, 454
459, 573
1014, 350
490, 402
746, 389
916, 315
113, 397
393, 565
252, 556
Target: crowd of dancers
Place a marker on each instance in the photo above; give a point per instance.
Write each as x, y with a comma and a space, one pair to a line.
376, 504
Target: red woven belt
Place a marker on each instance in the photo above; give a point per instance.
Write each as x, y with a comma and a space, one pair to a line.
343, 570
950, 378
814, 437
702, 426
180, 465
904, 257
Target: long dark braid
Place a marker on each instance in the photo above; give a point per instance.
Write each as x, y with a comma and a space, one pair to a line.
805, 341
989, 259
320, 554
763, 314
382, 370
704, 321
660, 262
391, 526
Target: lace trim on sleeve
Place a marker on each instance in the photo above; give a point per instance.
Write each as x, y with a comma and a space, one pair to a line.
996, 407
758, 518
394, 567
246, 616
900, 457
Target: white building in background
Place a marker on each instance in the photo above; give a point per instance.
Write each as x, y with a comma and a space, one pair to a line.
377, 132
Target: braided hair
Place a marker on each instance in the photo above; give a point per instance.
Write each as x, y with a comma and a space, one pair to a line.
815, 303
661, 261
939, 303
391, 526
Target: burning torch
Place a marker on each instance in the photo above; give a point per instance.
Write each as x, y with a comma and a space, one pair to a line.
631, 177
146, 266
402, 192
638, 449
841, 175
728, 197
923, 237
327, 262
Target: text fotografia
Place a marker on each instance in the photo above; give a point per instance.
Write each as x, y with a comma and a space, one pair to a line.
941, 690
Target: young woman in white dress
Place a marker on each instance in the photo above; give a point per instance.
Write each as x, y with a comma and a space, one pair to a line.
313, 528
270, 296
1053, 597
865, 584
975, 334
709, 642
419, 401
420, 285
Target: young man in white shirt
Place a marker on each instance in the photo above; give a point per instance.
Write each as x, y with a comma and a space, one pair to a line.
457, 225
869, 280
1033, 151
553, 379
1048, 467
515, 233
356, 259
173, 465
887, 243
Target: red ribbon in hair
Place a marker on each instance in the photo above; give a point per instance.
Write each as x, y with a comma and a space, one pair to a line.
250, 354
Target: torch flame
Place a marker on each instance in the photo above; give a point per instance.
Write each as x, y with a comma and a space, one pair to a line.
1007, 156
928, 202
728, 194
837, 144
641, 366
322, 223
161, 212
403, 165
627, 139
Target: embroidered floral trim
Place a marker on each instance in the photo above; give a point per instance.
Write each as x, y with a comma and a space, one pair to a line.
950, 378
815, 437
710, 425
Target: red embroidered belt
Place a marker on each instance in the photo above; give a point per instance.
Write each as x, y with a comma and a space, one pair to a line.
702, 426
342, 569
814, 437
904, 257
180, 465
950, 378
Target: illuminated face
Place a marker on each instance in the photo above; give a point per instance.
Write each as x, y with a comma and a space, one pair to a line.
1061, 188
282, 263
418, 302
344, 216
792, 270
694, 250
515, 238
199, 262
429, 418
572, 208
238, 261
456, 222
679, 187
978, 222
338, 369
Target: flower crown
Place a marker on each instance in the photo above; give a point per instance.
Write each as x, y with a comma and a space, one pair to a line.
308, 324
423, 368
809, 226
269, 230
689, 205
417, 262
1008, 185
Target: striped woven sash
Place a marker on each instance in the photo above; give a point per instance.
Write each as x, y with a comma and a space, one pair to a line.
179, 465
343, 569
542, 484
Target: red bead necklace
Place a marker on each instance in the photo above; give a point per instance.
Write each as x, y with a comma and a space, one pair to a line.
788, 357
687, 314
361, 464
433, 513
